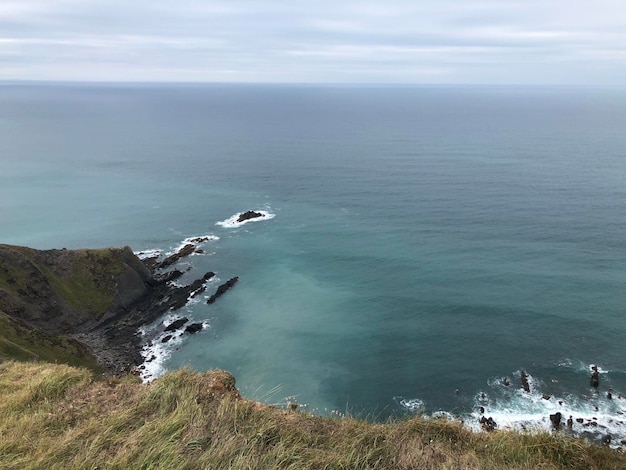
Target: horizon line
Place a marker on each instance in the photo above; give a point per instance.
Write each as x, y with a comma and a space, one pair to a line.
14, 81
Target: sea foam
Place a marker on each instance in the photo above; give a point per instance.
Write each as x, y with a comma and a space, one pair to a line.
594, 415
156, 352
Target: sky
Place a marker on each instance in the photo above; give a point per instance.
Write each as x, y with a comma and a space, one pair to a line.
571, 42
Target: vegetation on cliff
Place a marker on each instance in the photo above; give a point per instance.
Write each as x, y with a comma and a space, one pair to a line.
45, 296
60, 417
83, 307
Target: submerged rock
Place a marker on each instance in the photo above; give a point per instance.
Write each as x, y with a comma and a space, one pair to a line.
222, 289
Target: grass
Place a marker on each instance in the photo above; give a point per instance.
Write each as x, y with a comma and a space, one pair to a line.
90, 280
60, 417
22, 343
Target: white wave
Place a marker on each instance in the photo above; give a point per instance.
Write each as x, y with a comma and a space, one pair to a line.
530, 412
414, 405
580, 366
197, 241
594, 416
150, 253
156, 352
232, 222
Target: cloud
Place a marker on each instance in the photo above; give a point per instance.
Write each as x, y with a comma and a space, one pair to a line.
446, 41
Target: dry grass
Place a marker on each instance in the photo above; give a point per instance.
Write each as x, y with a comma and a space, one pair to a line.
59, 417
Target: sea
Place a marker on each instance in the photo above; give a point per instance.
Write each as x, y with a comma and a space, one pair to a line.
421, 247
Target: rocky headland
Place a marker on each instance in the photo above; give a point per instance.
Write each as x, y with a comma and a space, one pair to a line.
84, 307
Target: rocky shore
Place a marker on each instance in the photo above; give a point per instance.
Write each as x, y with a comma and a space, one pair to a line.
98, 298
115, 341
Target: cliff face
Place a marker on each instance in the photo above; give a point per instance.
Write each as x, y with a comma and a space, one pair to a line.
46, 296
78, 306
62, 291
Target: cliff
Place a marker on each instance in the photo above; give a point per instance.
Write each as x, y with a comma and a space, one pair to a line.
82, 307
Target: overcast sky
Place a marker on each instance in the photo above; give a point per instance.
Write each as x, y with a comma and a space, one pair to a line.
302, 41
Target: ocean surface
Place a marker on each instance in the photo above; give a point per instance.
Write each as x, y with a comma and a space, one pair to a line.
421, 244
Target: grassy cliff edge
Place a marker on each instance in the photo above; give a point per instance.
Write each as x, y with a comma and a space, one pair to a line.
60, 417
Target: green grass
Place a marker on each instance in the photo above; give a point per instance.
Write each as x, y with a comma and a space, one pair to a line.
59, 417
21, 343
90, 283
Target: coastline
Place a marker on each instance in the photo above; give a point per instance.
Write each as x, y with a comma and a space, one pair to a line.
41, 296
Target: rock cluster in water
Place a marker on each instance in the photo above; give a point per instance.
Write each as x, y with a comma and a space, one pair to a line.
249, 215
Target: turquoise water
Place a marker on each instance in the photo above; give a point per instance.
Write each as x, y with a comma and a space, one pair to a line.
425, 239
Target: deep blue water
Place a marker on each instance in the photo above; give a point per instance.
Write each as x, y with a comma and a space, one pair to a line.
425, 239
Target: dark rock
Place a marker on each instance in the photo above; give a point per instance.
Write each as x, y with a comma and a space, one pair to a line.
166, 339
488, 424
546, 396
222, 289
193, 328
609, 395
175, 325
595, 377
525, 384
249, 215
198, 240
186, 250
606, 440
160, 279
506, 382
579, 420
556, 420
570, 422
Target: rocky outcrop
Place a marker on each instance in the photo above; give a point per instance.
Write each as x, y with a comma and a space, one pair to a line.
555, 419
595, 377
249, 215
193, 328
222, 289
525, 383
98, 297
488, 424
176, 324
